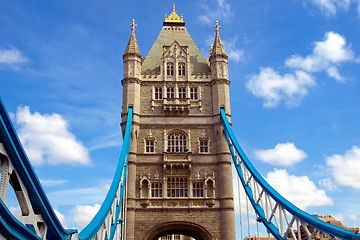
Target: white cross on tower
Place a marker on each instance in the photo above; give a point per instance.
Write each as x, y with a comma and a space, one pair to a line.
133, 25
217, 26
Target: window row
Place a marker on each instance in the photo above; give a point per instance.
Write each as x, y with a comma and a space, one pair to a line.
177, 187
170, 93
177, 142
170, 69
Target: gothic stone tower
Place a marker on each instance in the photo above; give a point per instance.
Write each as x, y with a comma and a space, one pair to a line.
179, 175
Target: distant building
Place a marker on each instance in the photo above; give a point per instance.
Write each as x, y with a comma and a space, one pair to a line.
326, 218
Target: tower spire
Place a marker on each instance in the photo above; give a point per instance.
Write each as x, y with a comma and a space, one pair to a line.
218, 48
132, 47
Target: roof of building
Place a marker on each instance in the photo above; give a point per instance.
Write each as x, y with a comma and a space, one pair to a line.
172, 32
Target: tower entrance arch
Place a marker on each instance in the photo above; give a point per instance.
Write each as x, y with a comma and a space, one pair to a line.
184, 228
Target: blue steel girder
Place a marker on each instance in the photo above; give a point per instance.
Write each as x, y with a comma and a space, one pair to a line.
273, 210
104, 224
34, 191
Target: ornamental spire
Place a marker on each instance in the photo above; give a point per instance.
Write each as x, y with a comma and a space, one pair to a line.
174, 18
218, 48
132, 47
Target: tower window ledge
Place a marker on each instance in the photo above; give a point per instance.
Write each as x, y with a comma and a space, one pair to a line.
177, 158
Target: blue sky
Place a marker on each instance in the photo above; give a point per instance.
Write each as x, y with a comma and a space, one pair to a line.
294, 71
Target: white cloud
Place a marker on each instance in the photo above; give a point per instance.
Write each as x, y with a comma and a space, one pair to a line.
215, 10
328, 184
52, 182
83, 214
61, 217
15, 210
353, 217
48, 140
12, 57
346, 168
326, 55
300, 191
233, 53
284, 154
330, 7
274, 87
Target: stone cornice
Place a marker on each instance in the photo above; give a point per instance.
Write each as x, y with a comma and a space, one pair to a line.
130, 80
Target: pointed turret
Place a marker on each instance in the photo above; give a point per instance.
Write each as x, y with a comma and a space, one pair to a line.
132, 47
219, 73
218, 49
132, 71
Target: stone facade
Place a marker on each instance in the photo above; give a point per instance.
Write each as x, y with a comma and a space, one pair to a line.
179, 174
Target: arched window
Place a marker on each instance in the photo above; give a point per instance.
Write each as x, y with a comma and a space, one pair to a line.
181, 69
177, 142
145, 189
209, 188
170, 69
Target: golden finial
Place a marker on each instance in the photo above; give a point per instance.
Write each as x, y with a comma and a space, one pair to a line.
133, 25
217, 26
174, 17
210, 49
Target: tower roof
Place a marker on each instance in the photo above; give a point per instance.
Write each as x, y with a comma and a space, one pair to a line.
174, 30
132, 47
218, 48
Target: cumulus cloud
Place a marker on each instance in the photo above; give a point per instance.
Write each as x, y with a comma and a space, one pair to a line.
326, 55
301, 191
215, 10
274, 87
12, 57
83, 214
284, 154
346, 168
48, 140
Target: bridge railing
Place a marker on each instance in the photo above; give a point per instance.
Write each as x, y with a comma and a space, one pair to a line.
104, 224
38, 220
279, 216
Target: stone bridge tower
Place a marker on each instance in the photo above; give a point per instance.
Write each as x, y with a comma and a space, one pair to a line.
179, 175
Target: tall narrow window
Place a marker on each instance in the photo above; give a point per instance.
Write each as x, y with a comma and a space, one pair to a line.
170, 69
170, 92
149, 146
156, 189
181, 69
182, 92
193, 93
176, 142
177, 187
158, 93
204, 148
198, 190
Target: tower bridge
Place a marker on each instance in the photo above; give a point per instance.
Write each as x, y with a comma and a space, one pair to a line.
174, 175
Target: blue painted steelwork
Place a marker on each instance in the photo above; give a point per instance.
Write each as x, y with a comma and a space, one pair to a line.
298, 214
11, 228
26, 173
119, 181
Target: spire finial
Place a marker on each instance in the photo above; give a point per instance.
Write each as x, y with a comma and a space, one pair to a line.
174, 17
217, 26
133, 25
210, 48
